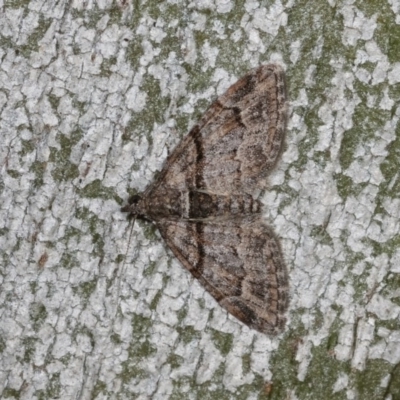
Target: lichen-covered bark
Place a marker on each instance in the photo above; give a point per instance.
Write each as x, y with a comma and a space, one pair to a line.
93, 97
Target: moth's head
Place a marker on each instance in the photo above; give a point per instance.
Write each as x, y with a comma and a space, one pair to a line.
135, 207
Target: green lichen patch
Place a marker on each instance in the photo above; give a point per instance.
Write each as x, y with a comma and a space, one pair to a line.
68, 261
154, 303
9, 393
53, 388
188, 334
95, 190
35, 37
149, 231
367, 382
222, 341
139, 349
63, 169
85, 289
29, 345
38, 314
38, 168
13, 173
100, 388
394, 383
2, 344
175, 361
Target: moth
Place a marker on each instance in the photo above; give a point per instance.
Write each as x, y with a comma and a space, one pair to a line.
202, 201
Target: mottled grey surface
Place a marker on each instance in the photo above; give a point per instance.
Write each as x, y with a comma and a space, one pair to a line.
93, 97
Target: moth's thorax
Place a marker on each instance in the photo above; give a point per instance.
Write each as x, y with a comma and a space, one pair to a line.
198, 204
136, 206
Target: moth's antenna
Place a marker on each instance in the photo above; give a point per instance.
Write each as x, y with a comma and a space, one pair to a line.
129, 243
121, 273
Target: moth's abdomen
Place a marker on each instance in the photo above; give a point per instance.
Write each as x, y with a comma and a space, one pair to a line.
206, 205
193, 204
